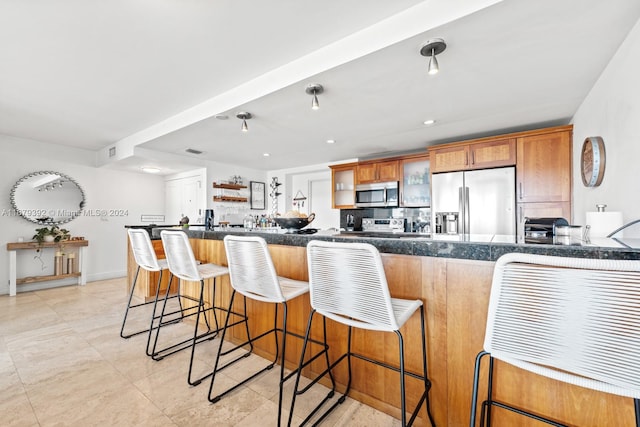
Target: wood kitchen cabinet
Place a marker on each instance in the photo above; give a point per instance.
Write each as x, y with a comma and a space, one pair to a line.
448, 159
379, 171
543, 167
483, 154
343, 186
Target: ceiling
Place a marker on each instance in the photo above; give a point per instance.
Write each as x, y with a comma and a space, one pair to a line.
150, 77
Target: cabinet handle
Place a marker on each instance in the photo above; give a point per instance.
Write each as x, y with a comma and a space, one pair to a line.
520, 186
466, 159
520, 213
473, 157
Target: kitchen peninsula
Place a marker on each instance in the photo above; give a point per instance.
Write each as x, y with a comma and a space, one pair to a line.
453, 279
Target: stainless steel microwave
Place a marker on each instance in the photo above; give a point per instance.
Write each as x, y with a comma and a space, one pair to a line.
378, 194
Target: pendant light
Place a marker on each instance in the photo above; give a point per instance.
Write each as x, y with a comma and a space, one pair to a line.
432, 48
244, 116
314, 89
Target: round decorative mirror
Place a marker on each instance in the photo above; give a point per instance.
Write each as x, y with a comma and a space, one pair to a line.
47, 198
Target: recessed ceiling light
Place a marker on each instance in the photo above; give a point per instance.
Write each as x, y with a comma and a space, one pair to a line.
150, 169
429, 122
331, 141
266, 154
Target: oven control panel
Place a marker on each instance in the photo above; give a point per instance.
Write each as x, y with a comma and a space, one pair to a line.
383, 224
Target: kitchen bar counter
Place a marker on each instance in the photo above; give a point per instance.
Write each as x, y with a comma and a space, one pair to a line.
470, 247
452, 276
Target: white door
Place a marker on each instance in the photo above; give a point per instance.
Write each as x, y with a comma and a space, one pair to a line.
190, 206
320, 204
185, 197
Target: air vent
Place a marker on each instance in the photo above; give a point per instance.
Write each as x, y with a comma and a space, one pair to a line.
112, 152
193, 151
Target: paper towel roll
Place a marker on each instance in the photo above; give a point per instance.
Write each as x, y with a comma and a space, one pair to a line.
603, 223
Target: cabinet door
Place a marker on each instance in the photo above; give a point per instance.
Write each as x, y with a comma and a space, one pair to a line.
449, 159
343, 185
542, 210
543, 167
389, 171
367, 172
493, 154
416, 190
378, 172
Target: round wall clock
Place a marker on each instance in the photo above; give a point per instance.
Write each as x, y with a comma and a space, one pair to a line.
592, 161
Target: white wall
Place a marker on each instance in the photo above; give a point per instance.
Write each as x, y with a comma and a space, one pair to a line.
104, 188
612, 110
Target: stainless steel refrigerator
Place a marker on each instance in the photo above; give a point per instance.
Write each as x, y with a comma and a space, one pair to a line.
478, 201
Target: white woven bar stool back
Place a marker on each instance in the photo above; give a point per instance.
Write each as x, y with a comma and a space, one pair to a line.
575, 320
347, 284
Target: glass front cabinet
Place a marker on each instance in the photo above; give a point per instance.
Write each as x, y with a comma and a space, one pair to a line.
416, 186
343, 184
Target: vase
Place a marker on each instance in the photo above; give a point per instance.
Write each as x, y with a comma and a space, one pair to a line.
49, 238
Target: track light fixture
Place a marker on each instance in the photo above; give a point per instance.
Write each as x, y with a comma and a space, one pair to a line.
432, 48
314, 89
244, 116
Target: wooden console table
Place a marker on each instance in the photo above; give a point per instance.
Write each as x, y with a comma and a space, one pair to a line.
81, 245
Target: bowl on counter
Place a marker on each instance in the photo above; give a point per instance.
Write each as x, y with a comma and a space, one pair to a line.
294, 223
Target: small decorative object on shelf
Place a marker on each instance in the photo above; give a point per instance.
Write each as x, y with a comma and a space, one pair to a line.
58, 264
71, 263
50, 234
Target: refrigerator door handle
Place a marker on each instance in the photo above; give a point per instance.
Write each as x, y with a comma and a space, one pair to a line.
467, 213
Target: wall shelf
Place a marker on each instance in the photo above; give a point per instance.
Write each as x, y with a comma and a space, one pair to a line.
229, 199
229, 186
37, 279
234, 197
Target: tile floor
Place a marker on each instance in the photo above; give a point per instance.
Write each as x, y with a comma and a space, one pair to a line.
63, 363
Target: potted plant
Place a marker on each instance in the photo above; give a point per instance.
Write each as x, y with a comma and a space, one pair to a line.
50, 234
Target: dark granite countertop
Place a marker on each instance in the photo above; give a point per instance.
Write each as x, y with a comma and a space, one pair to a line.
472, 247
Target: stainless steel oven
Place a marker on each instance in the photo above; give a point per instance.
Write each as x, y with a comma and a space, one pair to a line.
379, 194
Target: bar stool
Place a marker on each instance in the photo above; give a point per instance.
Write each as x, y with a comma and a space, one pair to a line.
253, 275
571, 319
183, 265
347, 284
146, 259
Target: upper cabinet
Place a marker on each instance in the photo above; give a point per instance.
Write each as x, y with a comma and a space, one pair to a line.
488, 153
378, 171
543, 167
343, 185
415, 191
